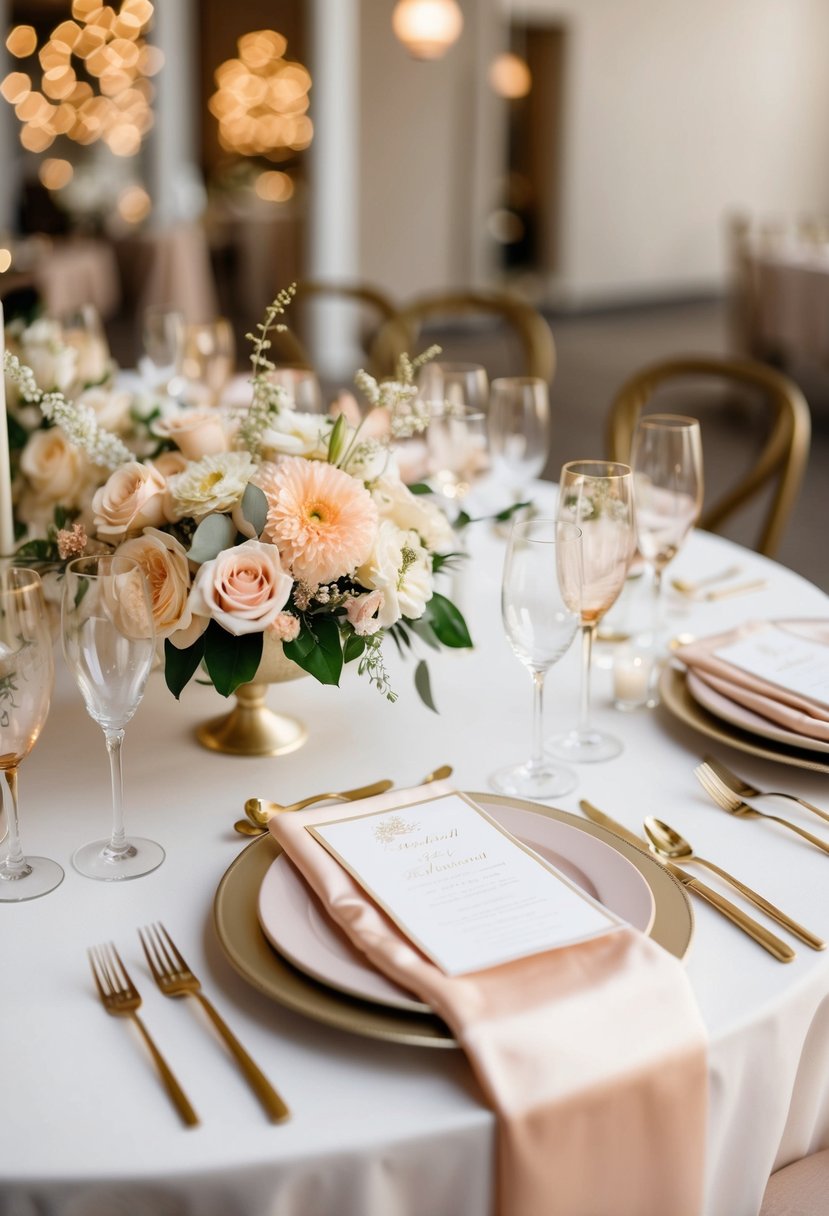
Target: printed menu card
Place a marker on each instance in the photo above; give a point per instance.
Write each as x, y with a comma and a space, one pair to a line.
792, 662
464, 890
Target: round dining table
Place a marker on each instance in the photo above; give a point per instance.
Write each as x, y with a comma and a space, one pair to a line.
377, 1128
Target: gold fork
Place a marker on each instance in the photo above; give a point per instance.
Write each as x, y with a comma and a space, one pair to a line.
121, 998
174, 978
742, 789
728, 800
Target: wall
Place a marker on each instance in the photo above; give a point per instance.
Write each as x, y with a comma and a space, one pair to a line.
676, 113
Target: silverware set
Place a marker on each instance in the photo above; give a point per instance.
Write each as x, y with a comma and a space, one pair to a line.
668, 847
174, 978
705, 589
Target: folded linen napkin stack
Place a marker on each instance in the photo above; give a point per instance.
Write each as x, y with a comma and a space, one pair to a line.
592, 1055
778, 670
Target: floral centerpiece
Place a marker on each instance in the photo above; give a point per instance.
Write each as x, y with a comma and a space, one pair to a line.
262, 524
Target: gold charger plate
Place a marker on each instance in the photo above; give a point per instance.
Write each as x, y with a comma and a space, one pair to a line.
676, 698
250, 953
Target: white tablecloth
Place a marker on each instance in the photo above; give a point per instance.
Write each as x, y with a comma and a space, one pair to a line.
377, 1129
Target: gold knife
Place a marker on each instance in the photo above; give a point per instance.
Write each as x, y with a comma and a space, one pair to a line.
763, 936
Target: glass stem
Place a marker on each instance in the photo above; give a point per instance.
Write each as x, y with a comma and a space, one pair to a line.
656, 619
587, 634
118, 840
537, 756
15, 864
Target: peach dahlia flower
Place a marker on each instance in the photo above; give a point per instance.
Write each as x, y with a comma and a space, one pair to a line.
322, 520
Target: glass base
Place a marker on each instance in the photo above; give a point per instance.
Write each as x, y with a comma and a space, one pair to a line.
42, 876
98, 860
532, 781
587, 748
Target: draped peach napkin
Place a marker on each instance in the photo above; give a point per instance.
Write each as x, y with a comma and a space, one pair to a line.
592, 1055
800, 714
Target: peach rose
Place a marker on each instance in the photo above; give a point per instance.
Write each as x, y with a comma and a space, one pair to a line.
164, 562
110, 406
56, 469
244, 588
132, 499
362, 610
196, 433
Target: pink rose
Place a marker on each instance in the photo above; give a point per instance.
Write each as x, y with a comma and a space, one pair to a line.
164, 562
244, 588
131, 500
195, 433
361, 611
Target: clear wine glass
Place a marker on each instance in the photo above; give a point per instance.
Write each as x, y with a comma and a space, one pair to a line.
162, 336
518, 426
543, 556
456, 449
597, 495
108, 643
302, 386
27, 676
667, 485
208, 359
458, 383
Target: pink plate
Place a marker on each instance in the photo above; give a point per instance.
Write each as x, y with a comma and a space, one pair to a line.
294, 922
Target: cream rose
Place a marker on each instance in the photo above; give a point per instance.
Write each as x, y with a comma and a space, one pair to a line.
131, 500
196, 433
401, 568
111, 407
56, 469
396, 502
244, 588
164, 562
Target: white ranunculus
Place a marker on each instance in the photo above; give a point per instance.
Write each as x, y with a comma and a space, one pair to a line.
396, 502
215, 483
401, 568
295, 434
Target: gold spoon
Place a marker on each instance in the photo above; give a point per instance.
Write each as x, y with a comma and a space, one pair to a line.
686, 588
260, 810
667, 843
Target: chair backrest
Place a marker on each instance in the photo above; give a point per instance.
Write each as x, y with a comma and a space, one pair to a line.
535, 340
782, 460
375, 308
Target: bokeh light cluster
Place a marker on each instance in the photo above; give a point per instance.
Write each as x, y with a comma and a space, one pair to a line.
261, 100
94, 81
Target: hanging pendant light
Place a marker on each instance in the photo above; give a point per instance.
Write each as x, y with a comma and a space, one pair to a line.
427, 28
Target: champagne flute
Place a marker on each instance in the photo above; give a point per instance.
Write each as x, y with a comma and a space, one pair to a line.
543, 556
163, 340
457, 383
518, 426
208, 358
109, 644
27, 676
456, 447
667, 485
597, 495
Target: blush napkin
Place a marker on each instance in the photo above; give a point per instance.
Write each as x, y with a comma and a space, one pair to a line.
592, 1056
797, 713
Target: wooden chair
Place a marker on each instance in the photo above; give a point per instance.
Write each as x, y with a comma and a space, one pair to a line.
375, 309
785, 452
532, 333
799, 1189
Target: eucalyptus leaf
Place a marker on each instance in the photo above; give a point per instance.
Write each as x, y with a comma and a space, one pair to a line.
424, 685
214, 533
255, 507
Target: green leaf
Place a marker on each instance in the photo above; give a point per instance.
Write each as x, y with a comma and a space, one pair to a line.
447, 622
38, 550
424, 685
447, 560
18, 434
318, 649
255, 507
336, 440
179, 665
353, 648
508, 512
425, 632
231, 661
462, 521
214, 533
420, 487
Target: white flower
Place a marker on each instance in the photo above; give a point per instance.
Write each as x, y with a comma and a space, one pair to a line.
215, 483
396, 502
295, 434
55, 365
111, 407
401, 568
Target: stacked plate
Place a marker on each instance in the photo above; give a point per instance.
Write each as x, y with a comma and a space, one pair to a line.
276, 934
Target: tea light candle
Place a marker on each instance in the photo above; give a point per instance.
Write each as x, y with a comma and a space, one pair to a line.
631, 679
6, 516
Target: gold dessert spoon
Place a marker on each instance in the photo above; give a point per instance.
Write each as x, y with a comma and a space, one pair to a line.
667, 843
686, 588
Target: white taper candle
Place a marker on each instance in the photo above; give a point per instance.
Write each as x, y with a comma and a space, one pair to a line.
6, 516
